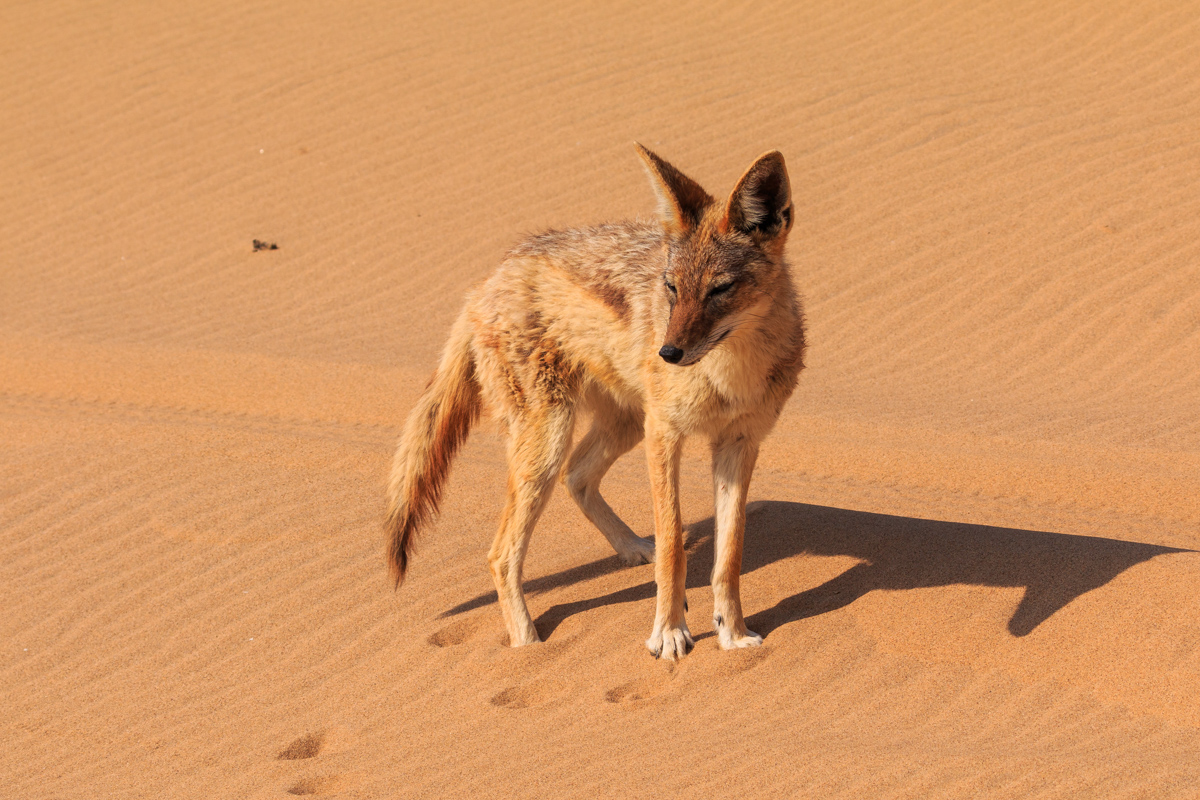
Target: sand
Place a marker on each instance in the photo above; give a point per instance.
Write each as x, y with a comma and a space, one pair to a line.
973, 542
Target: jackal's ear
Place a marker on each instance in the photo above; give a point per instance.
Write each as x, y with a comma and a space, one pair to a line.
761, 205
681, 201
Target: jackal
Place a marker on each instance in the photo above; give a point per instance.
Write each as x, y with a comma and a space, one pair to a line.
689, 324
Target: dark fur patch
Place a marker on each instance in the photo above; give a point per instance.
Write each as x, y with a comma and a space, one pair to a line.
612, 296
556, 377
514, 386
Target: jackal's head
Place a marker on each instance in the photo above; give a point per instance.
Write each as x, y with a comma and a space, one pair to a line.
724, 260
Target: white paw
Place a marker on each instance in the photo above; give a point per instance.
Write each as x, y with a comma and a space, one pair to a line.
523, 638
638, 551
670, 643
732, 640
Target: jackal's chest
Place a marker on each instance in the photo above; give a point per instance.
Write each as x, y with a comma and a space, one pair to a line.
708, 399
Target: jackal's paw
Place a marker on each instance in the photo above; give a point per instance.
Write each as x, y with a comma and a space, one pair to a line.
523, 639
732, 639
670, 643
637, 551
751, 639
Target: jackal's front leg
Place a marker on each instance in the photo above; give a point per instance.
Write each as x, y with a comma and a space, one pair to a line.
733, 462
670, 638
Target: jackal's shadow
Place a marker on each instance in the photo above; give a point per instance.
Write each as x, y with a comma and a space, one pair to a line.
894, 553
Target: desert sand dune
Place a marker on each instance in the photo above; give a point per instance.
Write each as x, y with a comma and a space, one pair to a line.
973, 547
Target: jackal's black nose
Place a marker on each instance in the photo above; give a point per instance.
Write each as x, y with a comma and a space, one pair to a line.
670, 354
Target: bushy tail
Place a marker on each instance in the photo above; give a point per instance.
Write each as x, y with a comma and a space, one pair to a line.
436, 427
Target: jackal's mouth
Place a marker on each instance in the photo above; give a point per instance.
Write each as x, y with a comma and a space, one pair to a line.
704, 349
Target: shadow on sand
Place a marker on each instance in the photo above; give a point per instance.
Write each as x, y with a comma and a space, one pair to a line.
894, 552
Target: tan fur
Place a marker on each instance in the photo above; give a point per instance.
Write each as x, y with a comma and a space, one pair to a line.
585, 321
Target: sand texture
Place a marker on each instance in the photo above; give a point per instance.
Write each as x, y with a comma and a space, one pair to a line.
974, 542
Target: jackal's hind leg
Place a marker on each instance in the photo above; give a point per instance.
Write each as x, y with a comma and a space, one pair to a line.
614, 432
537, 446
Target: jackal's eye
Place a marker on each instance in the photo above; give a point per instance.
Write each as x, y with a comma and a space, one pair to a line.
670, 286
717, 291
